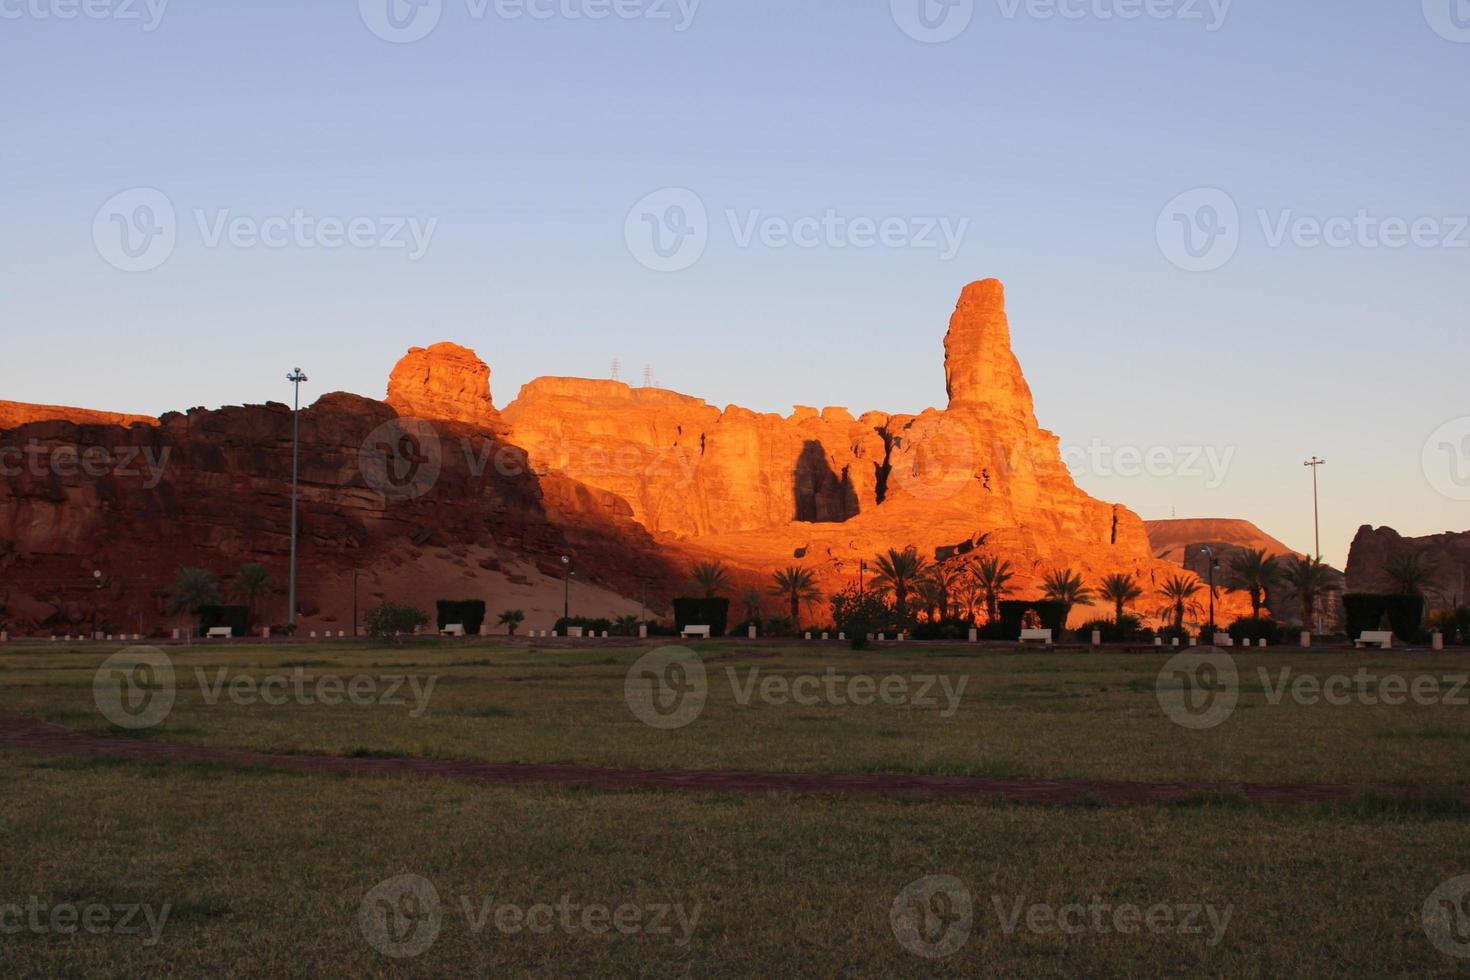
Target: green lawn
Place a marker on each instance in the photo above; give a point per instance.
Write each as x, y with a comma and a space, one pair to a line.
266, 873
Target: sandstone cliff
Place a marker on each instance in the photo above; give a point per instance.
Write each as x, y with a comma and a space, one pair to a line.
1449, 553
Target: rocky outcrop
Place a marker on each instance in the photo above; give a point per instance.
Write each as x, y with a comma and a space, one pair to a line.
13, 414
1180, 540
445, 381
1448, 554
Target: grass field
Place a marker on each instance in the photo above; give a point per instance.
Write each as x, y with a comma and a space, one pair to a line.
266, 873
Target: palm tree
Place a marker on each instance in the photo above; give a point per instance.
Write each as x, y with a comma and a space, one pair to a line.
711, 577
1411, 573
993, 577
627, 625
797, 584
194, 587
1120, 590
898, 575
253, 585
938, 589
1180, 591
967, 597
1065, 586
512, 618
1254, 572
1307, 578
753, 610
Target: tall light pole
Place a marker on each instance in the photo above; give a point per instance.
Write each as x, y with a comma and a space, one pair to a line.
1313, 463
296, 378
1209, 553
566, 600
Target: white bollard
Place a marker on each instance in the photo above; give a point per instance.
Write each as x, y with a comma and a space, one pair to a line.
4, 636
1158, 641
642, 631
341, 634
1439, 641
808, 635
1263, 643
176, 634
1097, 638
1306, 638
313, 634
750, 632
882, 637
1194, 641
841, 636
824, 636
265, 632
1175, 644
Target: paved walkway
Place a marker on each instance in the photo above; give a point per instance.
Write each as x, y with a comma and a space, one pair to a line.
32, 735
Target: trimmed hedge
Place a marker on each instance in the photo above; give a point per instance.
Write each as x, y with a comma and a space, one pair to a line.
470, 613
1255, 630
237, 618
1365, 612
712, 612
589, 626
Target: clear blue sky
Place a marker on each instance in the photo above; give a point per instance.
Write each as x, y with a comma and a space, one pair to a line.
1060, 140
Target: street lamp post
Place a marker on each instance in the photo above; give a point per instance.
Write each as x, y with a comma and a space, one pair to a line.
1313, 463
96, 577
354, 603
296, 378
1213, 564
566, 601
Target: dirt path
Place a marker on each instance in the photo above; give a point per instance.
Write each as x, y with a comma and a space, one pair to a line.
44, 738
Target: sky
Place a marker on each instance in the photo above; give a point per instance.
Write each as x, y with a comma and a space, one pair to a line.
1233, 234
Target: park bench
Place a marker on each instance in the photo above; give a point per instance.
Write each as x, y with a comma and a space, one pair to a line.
452, 629
220, 632
1383, 639
690, 632
1036, 636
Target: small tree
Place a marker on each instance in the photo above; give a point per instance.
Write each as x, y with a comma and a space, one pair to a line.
512, 618
711, 577
798, 585
194, 587
390, 619
253, 585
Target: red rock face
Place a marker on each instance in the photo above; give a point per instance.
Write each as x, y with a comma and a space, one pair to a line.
445, 381
1449, 553
13, 414
636, 483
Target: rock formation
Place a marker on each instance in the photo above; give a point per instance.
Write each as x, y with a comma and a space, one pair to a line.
436, 493
13, 414
1448, 553
1181, 539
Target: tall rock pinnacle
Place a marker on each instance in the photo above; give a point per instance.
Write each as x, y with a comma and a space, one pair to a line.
979, 367
445, 381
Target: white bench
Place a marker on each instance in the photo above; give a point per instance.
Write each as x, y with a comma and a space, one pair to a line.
1036, 636
452, 629
1383, 639
220, 632
690, 632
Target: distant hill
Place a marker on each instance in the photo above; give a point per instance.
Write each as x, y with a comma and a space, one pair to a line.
1180, 540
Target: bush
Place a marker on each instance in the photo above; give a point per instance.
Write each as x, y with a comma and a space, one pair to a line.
1367, 611
1256, 630
237, 618
859, 613
468, 612
1129, 630
390, 619
945, 629
712, 611
1453, 623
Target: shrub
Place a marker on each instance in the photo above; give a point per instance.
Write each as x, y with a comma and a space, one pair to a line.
859, 613
470, 613
945, 629
711, 611
1128, 630
391, 619
588, 625
1256, 630
237, 618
